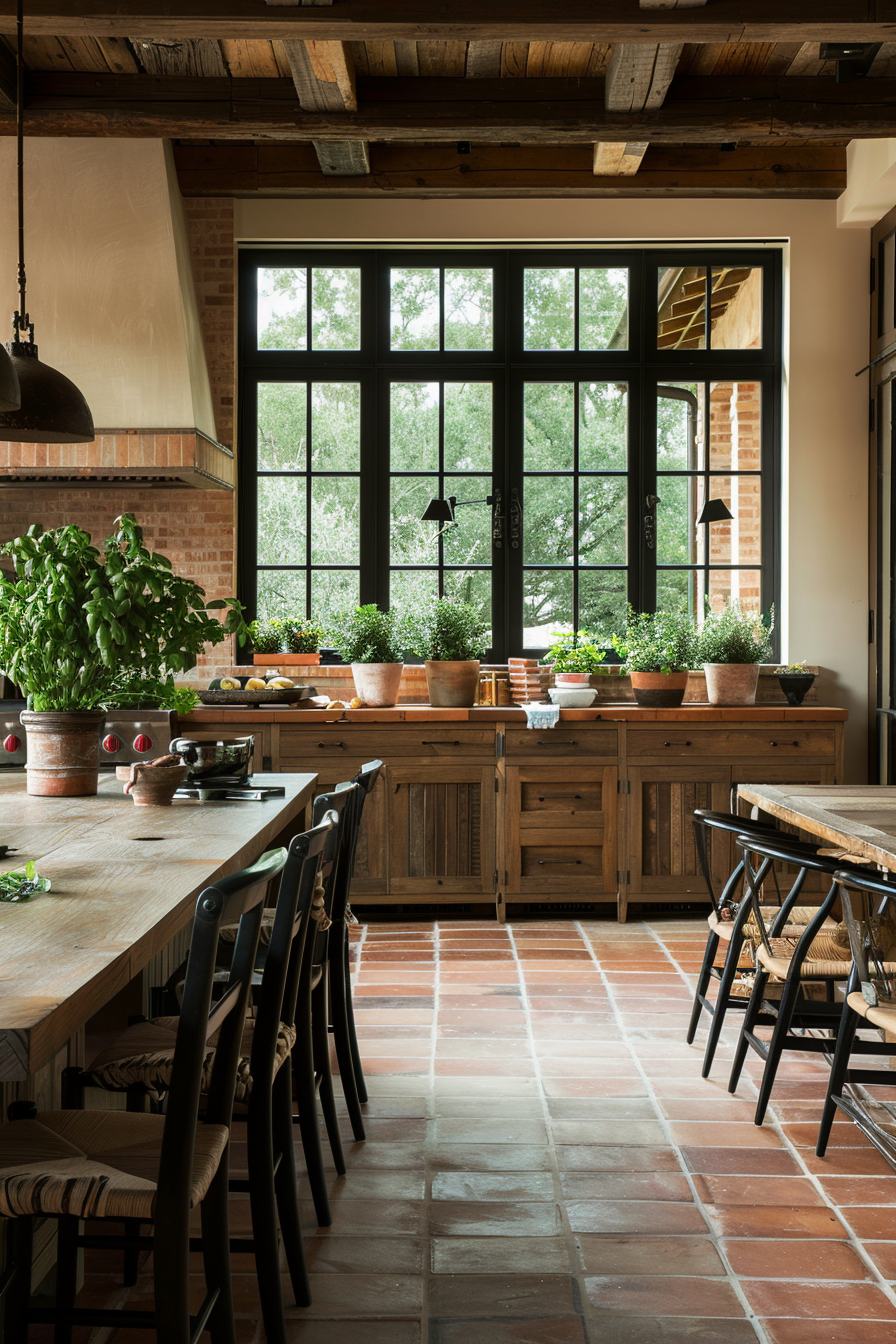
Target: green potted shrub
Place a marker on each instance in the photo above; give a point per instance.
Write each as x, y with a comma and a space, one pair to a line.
373, 642
451, 637
573, 657
79, 627
658, 648
291, 642
795, 681
731, 645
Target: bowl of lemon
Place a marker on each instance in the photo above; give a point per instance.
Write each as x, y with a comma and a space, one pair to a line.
276, 690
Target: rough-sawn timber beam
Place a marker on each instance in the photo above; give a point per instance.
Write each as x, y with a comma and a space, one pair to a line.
463, 20
638, 76
324, 76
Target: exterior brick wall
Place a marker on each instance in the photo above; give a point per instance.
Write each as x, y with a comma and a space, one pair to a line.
213, 256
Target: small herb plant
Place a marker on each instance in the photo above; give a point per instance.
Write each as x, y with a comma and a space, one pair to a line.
22, 883
267, 636
80, 627
368, 635
793, 670
657, 641
448, 630
575, 652
302, 636
733, 635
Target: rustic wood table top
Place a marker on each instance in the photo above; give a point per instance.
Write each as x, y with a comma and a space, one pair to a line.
125, 881
859, 817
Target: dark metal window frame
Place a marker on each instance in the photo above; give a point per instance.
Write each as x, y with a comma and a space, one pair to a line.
509, 366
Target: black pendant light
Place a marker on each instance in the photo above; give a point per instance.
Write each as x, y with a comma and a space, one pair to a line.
10, 392
714, 511
51, 409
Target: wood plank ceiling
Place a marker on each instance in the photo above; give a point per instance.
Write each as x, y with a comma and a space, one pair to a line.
450, 116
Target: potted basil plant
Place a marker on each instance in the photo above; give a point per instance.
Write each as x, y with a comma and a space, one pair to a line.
658, 650
78, 626
373, 642
573, 657
731, 645
451, 637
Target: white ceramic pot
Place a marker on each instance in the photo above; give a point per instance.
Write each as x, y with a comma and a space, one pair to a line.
731, 683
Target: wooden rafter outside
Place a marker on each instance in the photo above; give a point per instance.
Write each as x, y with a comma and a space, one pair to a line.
685, 303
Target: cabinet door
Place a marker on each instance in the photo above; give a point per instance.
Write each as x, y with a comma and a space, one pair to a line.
371, 856
661, 857
561, 831
442, 830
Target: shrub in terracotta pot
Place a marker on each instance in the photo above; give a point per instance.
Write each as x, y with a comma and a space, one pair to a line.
82, 628
658, 648
573, 657
731, 645
373, 641
290, 641
451, 637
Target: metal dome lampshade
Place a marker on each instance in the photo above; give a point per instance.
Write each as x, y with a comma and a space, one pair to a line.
10, 392
714, 511
50, 409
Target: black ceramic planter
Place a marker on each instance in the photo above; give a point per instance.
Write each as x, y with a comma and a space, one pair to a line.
795, 685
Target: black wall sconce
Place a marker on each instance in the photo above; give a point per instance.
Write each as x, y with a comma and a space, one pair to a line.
714, 511
442, 511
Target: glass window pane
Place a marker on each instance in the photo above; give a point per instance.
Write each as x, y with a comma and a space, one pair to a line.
281, 426
547, 605
412, 541
468, 427
471, 585
470, 543
603, 308
281, 592
547, 520
335, 426
281, 520
282, 312
549, 426
603, 427
414, 310
737, 540
409, 589
602, 601
679, 426
333, 591
735, 426
335, 520
676, 520
414, 427
335, 308
743, 584
677, 590
681, 308
736, 308
468, 309
602, 516
549, 308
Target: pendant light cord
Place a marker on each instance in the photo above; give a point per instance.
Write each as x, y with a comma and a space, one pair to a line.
21, 324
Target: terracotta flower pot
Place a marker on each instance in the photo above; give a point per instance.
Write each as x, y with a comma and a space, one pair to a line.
63, 751
154, 785
378, 683
452, 685
731, 683
286, 659
578, 679
659, 690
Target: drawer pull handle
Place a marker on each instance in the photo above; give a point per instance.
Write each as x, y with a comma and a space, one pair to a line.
794, 743
323, 745
542, 862
576, 797
573, 743
683, 744
439, 743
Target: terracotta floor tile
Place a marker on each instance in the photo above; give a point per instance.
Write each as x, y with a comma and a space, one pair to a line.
613, 1216
372, 1217
354, 1332
483, 1218
726, 1191
663, 1185
509, 1330
692, 1134
793, 1259
848, 1190
612, 1157
872, 1224
883, 1253
847, 1162
351, 1295
497, 1255
668, 1296
479, 1185
649, 1255
812, 1331
813, 1300
486, 1157
762, 1221
508, 1130
502, 1295
615, 1328
608, 1131
742, 1161
335, 1253
707, 1108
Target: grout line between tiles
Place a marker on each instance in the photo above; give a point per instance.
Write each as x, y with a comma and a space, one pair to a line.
717, 1241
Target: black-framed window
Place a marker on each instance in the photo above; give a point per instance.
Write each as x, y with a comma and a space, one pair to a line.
598, 397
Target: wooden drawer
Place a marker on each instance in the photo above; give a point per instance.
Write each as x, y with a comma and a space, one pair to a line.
581, 740
350, 740
771, 742
566, 864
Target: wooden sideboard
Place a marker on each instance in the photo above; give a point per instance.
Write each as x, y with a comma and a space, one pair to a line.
473, 807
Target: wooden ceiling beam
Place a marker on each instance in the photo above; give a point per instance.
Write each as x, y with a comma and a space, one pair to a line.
638, 76
7, 81
463, 20
433, 170
324, 76
616, 158
532, 111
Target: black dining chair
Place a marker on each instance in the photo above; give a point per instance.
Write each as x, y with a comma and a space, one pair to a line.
869, 911
119, 1166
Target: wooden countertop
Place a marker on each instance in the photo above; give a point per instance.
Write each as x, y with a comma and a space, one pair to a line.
481, 714
125, 881
858, 817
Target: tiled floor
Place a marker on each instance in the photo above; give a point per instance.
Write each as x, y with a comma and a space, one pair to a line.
544, 1164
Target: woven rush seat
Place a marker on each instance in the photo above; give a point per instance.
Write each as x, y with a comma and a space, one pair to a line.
144, 1055
318, 914
880, 1016
94, 1164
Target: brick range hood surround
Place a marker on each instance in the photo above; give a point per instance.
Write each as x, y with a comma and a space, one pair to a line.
111, 283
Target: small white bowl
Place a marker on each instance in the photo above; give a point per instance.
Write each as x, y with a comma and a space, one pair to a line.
572, 697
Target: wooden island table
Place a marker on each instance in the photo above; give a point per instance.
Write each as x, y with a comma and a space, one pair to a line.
125, 883
859, 817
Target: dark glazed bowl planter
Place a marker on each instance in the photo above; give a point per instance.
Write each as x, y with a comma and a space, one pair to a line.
796, 685
659, 690
63, 752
